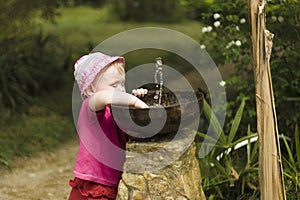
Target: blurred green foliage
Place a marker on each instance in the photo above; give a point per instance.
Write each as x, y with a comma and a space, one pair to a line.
93, 3
37, 57
32, 63
145, 11
193, 8
18, 12
30, 60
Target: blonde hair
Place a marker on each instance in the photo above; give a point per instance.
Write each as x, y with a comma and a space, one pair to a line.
117, 65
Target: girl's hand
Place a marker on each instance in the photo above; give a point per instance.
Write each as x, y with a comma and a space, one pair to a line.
140, 104
139, 92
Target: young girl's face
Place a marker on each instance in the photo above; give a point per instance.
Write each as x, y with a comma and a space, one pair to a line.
110, 79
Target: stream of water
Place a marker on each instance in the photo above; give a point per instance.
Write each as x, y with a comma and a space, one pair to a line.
158, 78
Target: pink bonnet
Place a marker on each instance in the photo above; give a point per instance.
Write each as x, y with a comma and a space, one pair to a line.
88, 66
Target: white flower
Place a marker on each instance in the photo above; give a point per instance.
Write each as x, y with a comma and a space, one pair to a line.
230, 44
222, 83
217, 24
217, 16
204, 29
237, 28
242, 20
280, 19
238, 43
202, 46
209, 29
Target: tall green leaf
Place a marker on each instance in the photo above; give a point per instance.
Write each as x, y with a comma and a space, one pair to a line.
210, 116
254, 151
290, 153
203, 135
248, 147
236, 121
297, 145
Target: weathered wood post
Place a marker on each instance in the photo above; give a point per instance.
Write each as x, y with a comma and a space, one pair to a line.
270, 166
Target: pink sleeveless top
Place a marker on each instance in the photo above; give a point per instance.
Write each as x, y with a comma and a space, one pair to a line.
102, 145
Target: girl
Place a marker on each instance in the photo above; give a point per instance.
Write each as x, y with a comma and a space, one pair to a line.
101, 152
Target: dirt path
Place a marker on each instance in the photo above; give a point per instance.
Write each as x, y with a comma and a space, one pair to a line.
44, 177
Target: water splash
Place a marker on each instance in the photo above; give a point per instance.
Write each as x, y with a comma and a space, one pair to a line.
158, 78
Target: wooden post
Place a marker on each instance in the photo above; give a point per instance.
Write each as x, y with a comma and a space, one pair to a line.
270, 166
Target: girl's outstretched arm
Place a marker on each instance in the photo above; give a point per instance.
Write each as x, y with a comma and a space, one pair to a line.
103, 98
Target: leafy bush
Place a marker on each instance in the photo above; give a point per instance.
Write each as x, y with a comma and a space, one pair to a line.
291, 165
230, 170
145, 11
226, 37
94, 3
30, 61
29, 64
194, 8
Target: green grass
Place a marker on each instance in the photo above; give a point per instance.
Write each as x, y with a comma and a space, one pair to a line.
44, 126
99, 25
39, 130
82, 28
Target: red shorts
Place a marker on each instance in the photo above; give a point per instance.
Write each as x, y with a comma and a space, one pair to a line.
87, 190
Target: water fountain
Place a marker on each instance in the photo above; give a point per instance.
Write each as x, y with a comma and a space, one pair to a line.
180, 179
176, 104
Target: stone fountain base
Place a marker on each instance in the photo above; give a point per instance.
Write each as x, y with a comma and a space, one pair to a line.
180, 180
